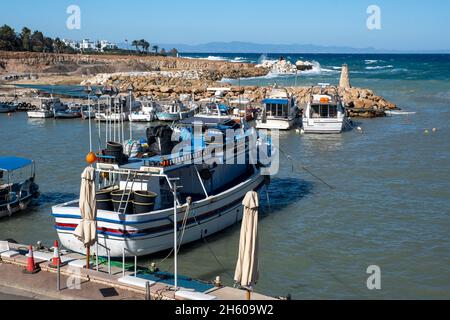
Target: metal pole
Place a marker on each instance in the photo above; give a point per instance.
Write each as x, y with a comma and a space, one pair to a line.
96, 256
109, 261
175, 225
58, 278
123, 262
90, 125
135, 266
131, 129
99, 126
147, 291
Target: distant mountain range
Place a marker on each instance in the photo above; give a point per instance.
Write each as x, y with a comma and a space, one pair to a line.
249, 47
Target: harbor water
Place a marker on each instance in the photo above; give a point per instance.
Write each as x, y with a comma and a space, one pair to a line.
339, 204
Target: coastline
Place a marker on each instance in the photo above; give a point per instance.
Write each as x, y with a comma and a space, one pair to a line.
159, 77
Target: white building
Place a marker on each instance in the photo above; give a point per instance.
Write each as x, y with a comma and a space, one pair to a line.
106, 45
86, 44
89, 45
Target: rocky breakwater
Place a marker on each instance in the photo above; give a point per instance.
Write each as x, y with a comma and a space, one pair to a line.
363, 103
283, 66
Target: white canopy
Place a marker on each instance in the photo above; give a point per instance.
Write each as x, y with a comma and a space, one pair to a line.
86, 231
247, 271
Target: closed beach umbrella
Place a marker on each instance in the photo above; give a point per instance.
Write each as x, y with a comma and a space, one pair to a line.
247, 271
86, 231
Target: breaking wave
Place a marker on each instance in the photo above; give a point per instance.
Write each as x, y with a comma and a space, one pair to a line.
380, 67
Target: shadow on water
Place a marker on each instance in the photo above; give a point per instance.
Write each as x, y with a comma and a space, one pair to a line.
285, 192
54, 198
293, 191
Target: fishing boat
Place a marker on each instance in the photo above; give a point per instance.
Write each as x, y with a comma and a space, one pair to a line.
47, 108
325, 113
71, 112
242, 108
117, 109
146, 113
8, 107
16, 194
280, 111
176, 110
137, 198
214, 110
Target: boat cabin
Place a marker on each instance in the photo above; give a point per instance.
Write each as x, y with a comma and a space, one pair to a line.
324, 106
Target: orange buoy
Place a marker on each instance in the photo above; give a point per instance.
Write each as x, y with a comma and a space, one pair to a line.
91, 158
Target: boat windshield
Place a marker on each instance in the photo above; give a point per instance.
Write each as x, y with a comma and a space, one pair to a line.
324, 111
277, 110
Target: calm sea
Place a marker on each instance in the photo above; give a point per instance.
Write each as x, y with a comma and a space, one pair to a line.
386, 201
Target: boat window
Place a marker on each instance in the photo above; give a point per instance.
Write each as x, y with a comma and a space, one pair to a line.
315, 111
332, 112
323, 111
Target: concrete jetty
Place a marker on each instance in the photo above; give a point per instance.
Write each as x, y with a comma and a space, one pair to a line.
79, 283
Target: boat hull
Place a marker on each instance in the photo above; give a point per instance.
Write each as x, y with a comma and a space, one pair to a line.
165, 116
7, 109
141, 118
15, 206
323, 126
144, 234
40, 114
69, 115
276, 124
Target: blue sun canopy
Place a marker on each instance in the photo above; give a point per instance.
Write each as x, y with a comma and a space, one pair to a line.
13, 163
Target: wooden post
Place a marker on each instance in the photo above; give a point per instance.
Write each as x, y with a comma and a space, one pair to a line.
249, 295
88, 254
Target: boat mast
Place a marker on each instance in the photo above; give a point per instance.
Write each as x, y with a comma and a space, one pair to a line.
130, 91
88, 90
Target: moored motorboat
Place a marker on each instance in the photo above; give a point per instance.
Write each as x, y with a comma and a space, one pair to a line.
146, 113
176, 110
279, 111
47, 109
8, 107
325, 112
71, 112
16, 194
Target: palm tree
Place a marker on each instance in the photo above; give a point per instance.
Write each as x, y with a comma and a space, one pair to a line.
136, 44
155, 48
145, 45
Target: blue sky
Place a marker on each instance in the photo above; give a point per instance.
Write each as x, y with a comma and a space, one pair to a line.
406, 25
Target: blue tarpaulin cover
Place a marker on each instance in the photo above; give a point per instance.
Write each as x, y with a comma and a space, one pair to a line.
13, 163
276, 101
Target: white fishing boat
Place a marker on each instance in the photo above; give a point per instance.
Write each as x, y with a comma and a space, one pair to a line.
146, 113
325, 112
280, 111
176, 111
135, 197
16, 193
214, 110
47, 108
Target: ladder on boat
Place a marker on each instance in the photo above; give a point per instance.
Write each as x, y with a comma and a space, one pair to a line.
123, 206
